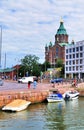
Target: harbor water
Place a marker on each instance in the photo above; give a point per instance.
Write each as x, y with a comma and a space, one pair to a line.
46, 116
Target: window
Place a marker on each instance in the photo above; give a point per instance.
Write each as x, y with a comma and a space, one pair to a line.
81, 55
66, 50
69, 62
66, 62
76, 61
66, 56
73, 49
77, 49
70, 56
73, 68
81, 61
81, 68
57, 50
66, 68
77, 55
70, 50
69, 68
73, 55
76, 67
73, 62
81, 48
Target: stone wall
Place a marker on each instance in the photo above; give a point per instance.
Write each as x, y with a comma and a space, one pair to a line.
32, 96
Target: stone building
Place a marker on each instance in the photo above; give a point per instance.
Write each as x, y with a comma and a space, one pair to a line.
57, 51
10, 73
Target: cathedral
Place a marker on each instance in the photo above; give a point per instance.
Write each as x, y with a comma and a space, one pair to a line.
57, 51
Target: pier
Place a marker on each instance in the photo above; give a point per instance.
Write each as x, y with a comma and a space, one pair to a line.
13, 90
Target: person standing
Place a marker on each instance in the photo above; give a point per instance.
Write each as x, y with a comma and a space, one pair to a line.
35, 84
29, 83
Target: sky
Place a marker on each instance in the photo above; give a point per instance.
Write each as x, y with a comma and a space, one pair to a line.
28, 25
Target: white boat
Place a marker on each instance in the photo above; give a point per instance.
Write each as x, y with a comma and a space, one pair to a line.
71, 95
16, 105
55, 97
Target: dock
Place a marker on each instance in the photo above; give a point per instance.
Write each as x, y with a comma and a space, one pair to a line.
12, 90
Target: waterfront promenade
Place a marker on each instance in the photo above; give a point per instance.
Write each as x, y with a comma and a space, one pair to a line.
12, 90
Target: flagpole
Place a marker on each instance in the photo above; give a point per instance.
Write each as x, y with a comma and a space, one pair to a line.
0, 44
5, 62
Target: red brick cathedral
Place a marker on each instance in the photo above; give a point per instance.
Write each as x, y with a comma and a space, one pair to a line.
57, 51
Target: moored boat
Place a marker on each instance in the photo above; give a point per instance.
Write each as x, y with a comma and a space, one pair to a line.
71, 95
55, 97
16, 105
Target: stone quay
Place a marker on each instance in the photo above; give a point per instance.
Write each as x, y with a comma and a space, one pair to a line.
12, 90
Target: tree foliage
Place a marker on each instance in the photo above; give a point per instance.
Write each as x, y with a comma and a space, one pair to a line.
30, 65
45, 65
59, 63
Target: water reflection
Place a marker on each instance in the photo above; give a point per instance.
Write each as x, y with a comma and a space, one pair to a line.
72, 105
54, 116
73, 115
46, 116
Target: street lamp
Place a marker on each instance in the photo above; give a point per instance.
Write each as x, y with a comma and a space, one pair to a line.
17, 67
81, 72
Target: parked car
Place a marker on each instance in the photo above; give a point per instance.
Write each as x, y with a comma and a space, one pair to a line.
57, 80
1, 82
27, 79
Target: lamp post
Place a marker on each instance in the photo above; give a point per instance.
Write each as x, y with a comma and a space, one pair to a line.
45, 66
0, 45
81, 73
17, 67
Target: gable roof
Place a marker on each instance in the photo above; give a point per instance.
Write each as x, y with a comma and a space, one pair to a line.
7, 70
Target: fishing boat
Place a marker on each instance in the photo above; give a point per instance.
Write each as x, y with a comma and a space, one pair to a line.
55, 97
16, 105
71, 95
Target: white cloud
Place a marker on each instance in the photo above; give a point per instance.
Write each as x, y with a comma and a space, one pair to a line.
28, 25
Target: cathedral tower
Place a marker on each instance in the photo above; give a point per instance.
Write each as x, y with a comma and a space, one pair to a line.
61, 35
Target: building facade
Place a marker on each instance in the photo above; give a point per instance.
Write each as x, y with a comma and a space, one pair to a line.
57, 51
74, 60
10, 73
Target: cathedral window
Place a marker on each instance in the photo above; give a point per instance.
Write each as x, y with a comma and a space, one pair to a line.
57, 50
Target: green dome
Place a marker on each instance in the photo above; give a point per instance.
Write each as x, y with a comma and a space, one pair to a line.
46, 45
50, 44
61, 29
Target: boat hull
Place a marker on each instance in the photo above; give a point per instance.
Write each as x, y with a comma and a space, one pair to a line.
55, 97
54, 100
16, 105
70, 95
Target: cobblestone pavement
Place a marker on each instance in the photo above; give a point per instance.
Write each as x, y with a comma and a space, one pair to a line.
11, 85
14, 86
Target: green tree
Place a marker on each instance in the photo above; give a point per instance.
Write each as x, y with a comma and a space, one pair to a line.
30, 65
59, 63
45, 65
